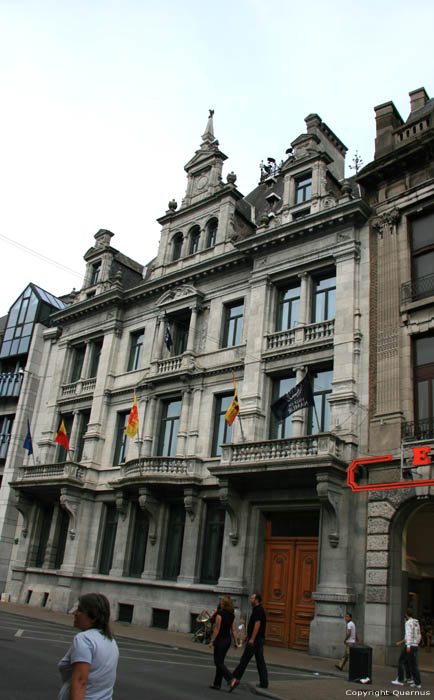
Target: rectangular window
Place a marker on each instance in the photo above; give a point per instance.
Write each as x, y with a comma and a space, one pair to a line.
324, 301
322, 388
62, 453
303, 189
140, 538
95, 273
61, 538
281, 429
288, 308
233, 324
175, 537
136, 347
6, 423
45, 516
422, 247
83, 418
423, 354
121, 439
77, 362
109, 537
213, 543
171, 413
222, 432
95, 350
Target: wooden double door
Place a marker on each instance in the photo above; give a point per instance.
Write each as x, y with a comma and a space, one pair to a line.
289, 579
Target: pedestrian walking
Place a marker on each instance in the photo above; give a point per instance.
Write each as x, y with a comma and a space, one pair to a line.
88, 669
221, 640
254, 644
350, 639
410, 644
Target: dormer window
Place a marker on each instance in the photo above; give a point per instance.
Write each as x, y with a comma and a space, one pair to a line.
303, 188
194, 239
211, 233
95, 273
178, 240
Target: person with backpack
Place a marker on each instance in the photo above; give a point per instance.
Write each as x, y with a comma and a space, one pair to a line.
410, 644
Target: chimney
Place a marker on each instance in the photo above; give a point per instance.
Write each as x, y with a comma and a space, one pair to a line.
387, 120
418, 99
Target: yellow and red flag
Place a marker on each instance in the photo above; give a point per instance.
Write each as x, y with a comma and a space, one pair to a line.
234, 408
61, 436
133, 420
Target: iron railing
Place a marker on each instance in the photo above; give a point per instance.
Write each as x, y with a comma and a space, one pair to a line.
416, 289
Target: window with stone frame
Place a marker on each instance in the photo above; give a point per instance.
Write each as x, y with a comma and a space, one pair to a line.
110, 516
177, 243
303, 188
174, 542
422, 251
423, 373
212, 543
222, 432
319, 420
121, 438
211, 233
288, 307
233, 323
6, 423
78, 353
61, 537
169, 426
324, 298
136, 347
283, 428
44, 518
139, 542
95, 272
95, 349
194, 237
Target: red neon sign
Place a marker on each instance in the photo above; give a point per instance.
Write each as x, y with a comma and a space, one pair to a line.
421, 456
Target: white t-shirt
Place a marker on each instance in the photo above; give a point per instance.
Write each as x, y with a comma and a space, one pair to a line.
102, 654
351, 628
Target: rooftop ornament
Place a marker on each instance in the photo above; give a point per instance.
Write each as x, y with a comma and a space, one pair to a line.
271, 169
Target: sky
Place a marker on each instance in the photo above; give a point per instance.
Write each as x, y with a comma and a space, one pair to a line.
103, 102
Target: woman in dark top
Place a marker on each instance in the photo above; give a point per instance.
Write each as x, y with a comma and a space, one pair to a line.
221, 640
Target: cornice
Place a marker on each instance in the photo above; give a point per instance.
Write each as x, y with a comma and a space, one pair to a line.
201, 204
420, 151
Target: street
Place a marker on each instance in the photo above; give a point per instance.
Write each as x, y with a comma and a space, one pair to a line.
31, 648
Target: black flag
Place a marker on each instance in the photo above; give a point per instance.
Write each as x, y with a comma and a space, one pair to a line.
300, 396
168, 337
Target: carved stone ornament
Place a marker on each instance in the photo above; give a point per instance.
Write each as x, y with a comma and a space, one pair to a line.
191, 500
386, 223
150, 506
71, 503
232, 504
23, 505
329, 494
122, 505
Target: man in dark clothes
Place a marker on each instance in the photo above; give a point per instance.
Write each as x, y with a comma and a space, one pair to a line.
255, 644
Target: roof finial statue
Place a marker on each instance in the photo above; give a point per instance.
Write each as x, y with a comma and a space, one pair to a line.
208, 136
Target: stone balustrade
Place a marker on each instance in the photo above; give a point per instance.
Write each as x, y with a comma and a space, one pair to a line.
50, 472
302, 334
172, 466
83, 386
283, 449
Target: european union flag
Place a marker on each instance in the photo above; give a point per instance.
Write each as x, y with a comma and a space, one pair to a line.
28, 445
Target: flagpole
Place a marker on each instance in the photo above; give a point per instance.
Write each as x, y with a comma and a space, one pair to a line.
243, 439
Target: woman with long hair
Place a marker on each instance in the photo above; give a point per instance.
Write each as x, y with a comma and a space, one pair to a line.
88, 669
221, 640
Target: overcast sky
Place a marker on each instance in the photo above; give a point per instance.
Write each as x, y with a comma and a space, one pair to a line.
103, 103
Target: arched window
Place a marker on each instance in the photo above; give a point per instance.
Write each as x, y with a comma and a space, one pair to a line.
211, 229
178, 240
194, 239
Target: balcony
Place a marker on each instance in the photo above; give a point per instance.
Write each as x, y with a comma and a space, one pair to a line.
10, 383
179, 470
417, 289
301, 335
83, 386
418, 430
61, 473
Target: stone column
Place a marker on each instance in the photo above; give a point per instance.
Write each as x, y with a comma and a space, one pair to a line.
121, 544
183, 423
189, 573
148, 426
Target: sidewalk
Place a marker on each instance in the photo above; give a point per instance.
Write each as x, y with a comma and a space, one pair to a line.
334, 687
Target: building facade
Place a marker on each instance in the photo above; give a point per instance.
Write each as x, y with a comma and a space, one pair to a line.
399, 187
260, 290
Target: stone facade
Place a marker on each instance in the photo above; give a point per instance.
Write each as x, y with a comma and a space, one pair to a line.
257, 290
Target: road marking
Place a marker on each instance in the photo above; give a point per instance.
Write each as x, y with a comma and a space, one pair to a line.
19, 633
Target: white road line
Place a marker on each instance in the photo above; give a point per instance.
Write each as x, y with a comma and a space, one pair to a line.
19, 633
